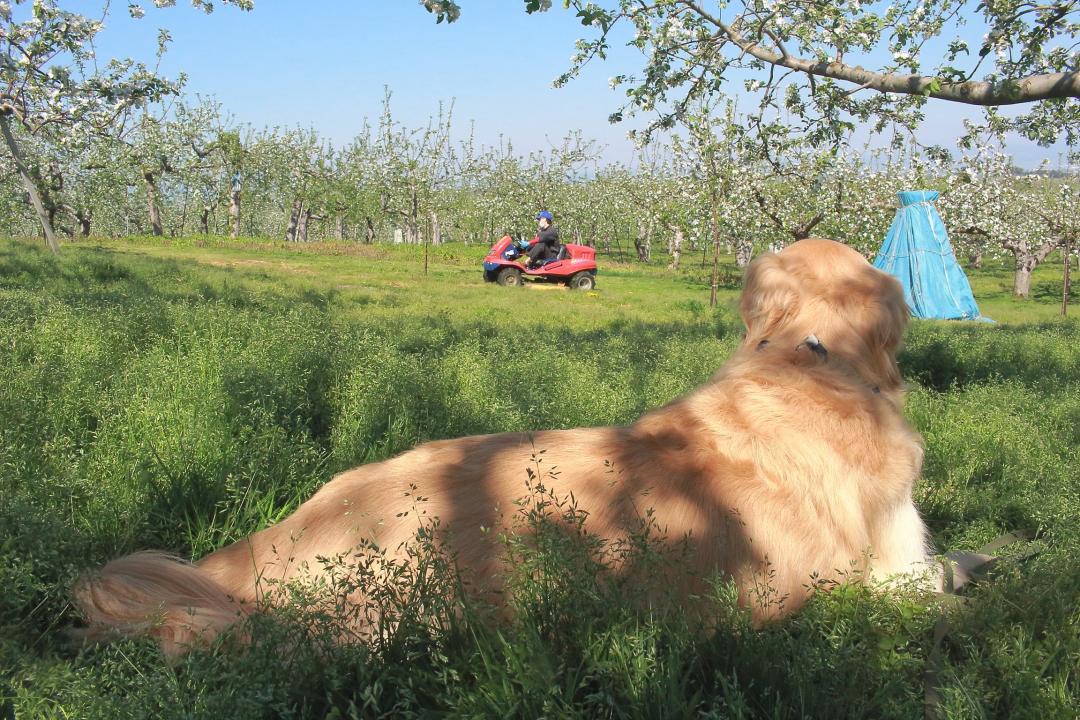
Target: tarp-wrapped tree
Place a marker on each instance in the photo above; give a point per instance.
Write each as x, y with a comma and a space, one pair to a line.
917, 251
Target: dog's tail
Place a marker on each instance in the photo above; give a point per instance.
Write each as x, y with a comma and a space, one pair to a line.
159, 595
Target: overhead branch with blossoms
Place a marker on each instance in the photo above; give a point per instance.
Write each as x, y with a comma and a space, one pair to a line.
824, 66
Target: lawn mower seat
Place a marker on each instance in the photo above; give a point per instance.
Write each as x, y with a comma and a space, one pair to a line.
561, 254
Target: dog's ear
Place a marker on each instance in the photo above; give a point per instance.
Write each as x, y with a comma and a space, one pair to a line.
871, 304
770, 297
894, 314
875, 311
888, 333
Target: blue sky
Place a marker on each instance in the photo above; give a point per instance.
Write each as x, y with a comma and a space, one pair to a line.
324, 64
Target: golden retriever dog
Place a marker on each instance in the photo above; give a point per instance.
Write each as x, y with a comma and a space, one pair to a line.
793, 462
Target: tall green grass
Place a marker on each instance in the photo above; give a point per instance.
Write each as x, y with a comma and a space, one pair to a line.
181, 397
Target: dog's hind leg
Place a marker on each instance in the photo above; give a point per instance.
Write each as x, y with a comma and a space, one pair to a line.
902, 551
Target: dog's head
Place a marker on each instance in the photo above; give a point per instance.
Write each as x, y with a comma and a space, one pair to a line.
825, 289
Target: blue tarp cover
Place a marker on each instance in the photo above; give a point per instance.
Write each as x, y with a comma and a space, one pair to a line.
917, 252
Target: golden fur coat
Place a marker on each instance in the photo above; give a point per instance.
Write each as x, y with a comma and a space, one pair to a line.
793, 461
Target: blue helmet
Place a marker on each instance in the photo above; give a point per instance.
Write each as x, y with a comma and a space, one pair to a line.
545, 215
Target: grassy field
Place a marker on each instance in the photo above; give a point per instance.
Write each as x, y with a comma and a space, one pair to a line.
182, 394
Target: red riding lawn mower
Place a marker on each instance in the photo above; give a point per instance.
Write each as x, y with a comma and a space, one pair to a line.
574, 265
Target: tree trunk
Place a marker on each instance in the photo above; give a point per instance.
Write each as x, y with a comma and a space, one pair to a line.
675, 248
432, 239
234, 211
1022, 280
84, 217
302, 225
643, 242
294, 220
50, 192
412, 224
1026, 261
975, 260
714, 286
28, 184
339, 230
369, 230
182, 224
436, 231
151, 204
1066, 278
204, 220
744, 251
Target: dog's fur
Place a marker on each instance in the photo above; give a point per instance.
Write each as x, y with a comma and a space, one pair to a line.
793, 461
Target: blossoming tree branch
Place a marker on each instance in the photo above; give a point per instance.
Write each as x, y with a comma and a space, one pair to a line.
827, 65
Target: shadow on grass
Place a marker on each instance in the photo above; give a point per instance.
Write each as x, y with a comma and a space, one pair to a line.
1052, 291
98, 277
941, 355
